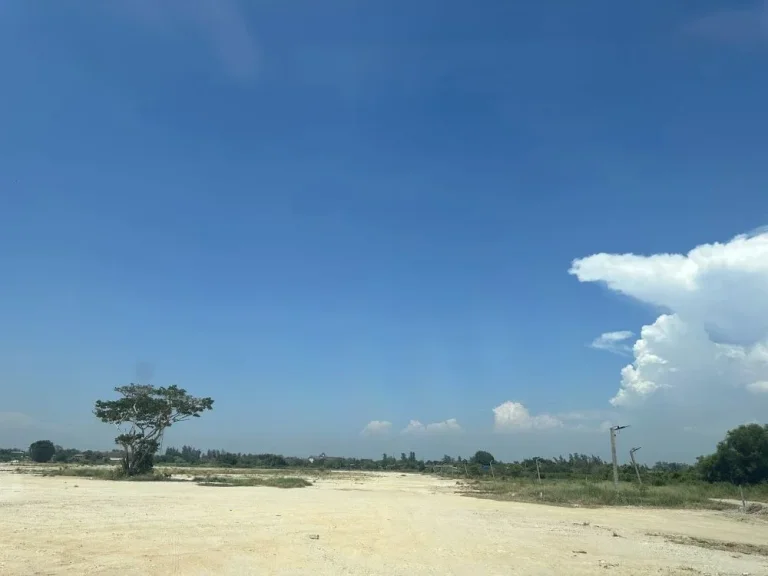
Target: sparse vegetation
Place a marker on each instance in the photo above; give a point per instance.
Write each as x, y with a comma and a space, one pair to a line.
593, 494
739, 467
84, 472
739, 547
107, 473
220, 478
270, 481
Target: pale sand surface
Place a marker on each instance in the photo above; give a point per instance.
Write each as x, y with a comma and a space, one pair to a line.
374, 523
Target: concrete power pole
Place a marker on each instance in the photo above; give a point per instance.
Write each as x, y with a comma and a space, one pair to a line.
615, 429
637, 470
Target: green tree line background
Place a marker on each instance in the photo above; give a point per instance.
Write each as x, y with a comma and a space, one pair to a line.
740, 458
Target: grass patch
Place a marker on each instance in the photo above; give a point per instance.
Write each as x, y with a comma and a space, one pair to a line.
271, 481
227, 471
593, 494
102, 473
166, 475
740, 547
108, 473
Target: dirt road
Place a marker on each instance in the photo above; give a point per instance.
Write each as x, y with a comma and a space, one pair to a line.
374, 524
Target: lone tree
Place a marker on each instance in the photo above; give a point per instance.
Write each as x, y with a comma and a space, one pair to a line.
741, 458
148, 411
483, 458
42, 451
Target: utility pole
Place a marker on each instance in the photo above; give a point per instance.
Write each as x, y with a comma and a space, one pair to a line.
637, 471
538, 472
615, 429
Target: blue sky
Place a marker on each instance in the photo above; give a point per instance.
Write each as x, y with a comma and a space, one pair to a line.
327, 214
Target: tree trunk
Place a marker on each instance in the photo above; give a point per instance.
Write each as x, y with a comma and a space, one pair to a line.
139, 457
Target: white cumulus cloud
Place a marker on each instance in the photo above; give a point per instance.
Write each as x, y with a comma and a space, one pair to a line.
414, 427
712, 339
446, 426
376, 428
513, 416
613, 342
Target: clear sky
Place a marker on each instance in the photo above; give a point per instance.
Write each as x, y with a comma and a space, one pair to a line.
366, 227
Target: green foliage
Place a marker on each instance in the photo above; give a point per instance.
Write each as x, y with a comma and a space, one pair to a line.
42, 451
149, 410
483, 458
10, 454
187, 455
741, 458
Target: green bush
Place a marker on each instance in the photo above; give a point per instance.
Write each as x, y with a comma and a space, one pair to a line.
42, 451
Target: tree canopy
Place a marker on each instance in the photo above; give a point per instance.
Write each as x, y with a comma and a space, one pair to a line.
483, 458
42, 451
148, 411
741, 458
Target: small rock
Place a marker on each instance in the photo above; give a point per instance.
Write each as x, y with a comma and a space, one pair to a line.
314, 536
579, 551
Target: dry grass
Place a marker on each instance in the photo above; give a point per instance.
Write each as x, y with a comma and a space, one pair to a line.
271, 481
588, 494
100, 472
213, 477
107, 473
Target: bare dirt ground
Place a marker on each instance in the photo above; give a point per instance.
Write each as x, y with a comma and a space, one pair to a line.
362, 524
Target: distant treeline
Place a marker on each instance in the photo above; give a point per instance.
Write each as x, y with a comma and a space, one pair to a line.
574, 466
741, 458
580, 466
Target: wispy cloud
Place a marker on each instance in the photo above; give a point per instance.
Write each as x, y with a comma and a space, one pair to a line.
584, 415
222, 24
733, 26
20, 421
613, 342
446, 426
760, 387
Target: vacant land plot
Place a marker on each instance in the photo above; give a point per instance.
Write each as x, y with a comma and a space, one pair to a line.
350, 524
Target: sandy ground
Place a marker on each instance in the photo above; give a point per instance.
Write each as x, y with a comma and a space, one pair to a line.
373, 524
